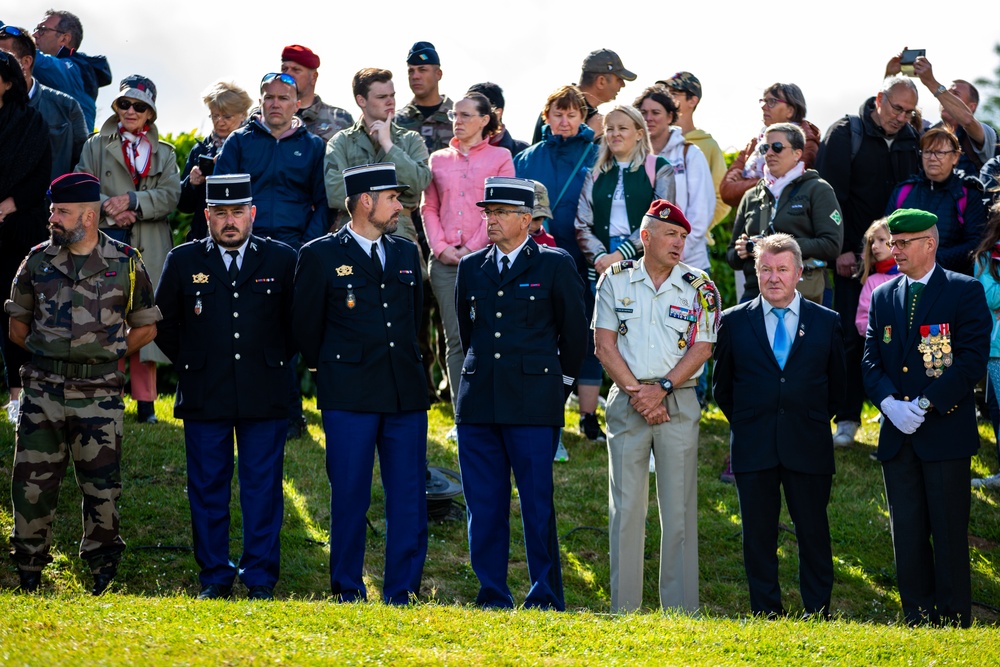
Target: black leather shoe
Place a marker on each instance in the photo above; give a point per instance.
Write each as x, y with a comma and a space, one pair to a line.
261, 593
104, 578
296, 428
216, 592
146, 413
30, 580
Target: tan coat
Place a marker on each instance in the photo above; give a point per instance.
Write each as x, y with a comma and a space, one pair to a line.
158, 194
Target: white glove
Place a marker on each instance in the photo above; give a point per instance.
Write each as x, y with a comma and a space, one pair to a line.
905, 415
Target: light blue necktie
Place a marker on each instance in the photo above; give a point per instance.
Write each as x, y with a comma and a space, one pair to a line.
782, 343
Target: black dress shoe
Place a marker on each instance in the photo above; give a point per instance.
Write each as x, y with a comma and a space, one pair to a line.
261, 593
216, 592
146, 413
296, 428
104, 578
30, 580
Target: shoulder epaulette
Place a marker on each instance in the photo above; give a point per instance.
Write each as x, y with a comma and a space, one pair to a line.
41, 246
708, 299
618, 267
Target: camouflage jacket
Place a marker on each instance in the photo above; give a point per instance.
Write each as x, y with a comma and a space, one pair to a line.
436, 130
324, 120
81, 320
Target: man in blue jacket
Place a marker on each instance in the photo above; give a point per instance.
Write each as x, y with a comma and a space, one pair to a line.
61, 65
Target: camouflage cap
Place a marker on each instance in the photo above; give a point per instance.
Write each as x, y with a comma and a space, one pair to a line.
686, 82
541, 209
603, 61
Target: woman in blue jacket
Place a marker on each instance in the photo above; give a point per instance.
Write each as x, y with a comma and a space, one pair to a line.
988, 272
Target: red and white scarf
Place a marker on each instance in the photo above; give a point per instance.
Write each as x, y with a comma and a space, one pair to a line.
138, 152
777, 184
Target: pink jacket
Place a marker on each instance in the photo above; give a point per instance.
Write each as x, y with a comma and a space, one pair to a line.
865, 302
449, 211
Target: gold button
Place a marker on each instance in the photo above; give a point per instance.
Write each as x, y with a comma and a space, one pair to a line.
905, 369
906, 398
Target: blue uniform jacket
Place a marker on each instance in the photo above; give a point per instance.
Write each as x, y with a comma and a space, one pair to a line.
359, 332
893, 365
230, 345
524, 337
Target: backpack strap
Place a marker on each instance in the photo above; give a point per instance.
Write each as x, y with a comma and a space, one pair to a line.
904, 192
857, 134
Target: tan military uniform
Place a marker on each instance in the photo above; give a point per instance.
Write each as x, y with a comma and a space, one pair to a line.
655, 330
71, 404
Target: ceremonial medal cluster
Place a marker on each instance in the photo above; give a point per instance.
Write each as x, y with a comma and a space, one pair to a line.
935, 344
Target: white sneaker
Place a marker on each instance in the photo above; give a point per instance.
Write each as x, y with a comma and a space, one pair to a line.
844, 437
13, 409
452, 434
652, 464
562, 456
991, 482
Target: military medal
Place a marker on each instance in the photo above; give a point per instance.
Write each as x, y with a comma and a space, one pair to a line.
935, 346
197, 306
351, 301
199, 278
345, 270
887, 335
622, 329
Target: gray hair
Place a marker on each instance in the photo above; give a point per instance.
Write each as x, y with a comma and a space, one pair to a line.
70, 24
898, 80
796, 137
774, 244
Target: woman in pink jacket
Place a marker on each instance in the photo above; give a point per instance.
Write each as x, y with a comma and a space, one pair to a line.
452, 221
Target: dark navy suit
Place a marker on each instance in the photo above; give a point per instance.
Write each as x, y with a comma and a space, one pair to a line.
927, 473
780, 437
359, 332
230, 344
524, 338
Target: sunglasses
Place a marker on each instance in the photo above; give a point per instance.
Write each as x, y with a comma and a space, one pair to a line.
11, 31
283, 78
125, 105
776, 147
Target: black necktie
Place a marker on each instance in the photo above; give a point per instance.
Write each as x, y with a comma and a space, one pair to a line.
234, 268
376, 262
505, 260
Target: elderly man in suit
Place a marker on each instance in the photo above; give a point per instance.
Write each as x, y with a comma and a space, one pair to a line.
226, 307
926, 348
358, 296
524, 332
779, 379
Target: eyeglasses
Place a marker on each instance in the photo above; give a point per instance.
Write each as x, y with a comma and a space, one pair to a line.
453, 115
937, 155
776, 147
125, 105
216, 117
771, 101
897, 110
903, 244
498, 212
44, 28
283, 78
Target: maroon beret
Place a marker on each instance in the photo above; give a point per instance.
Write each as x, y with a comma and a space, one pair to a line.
302, 55
663, 210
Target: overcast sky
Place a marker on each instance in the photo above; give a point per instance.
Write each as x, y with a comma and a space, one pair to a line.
836, 52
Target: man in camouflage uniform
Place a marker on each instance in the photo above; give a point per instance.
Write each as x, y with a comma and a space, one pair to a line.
427, 112
323, 120
79, 304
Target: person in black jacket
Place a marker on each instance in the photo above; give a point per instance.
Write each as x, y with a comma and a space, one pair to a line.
863, 157
226, 304
524, 332
358, 301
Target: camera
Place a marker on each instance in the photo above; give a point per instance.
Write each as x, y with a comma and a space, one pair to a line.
752, 241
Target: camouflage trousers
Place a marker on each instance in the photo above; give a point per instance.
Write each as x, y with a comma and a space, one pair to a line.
50, 429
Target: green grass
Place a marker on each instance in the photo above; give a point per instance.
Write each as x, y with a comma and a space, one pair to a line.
152, 618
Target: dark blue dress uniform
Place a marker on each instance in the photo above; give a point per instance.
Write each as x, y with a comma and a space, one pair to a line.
359, 331
230, 343
524, 336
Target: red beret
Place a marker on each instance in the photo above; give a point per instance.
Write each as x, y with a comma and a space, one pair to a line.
663, 210
300, 54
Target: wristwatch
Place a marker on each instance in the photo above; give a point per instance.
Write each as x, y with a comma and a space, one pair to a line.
667, 386
924, 403
940, 89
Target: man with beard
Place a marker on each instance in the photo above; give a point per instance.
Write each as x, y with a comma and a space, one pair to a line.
79, 304
356, 313
226, 306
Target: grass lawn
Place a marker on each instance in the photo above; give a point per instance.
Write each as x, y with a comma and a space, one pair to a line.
150, 617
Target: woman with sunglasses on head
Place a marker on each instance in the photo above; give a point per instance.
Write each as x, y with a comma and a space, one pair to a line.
956, 199
452, 220
140, 187
24, 179
781, 103
788, 198
227, 107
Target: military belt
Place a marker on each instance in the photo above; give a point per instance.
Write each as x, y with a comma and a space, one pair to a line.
72, 370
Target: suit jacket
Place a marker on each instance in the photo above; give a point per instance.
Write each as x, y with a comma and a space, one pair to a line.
230, 345
524, 336
358, 331
780, 417
892, 364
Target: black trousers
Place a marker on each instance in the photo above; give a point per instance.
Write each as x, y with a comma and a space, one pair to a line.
807, 497
846, 295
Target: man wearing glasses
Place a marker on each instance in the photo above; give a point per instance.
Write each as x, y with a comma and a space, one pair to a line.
522, 323
62, 66
863, 157
926, 347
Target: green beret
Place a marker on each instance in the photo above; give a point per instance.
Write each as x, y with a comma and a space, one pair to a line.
910, 220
